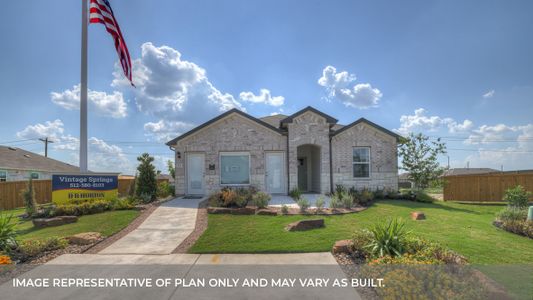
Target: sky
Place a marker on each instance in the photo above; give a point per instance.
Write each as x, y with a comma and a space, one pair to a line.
461, 71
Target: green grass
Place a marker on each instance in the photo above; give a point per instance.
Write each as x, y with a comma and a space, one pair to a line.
106, 223
464, 228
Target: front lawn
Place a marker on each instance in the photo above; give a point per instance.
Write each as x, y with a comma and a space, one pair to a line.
464, 228
106, 223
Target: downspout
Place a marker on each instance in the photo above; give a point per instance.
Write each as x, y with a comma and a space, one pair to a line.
330, 167
287, 167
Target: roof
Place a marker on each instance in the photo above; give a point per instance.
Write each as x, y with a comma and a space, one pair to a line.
222, 116
376, 126
468, 171
20, 159
273, 120
328, 118
404, 176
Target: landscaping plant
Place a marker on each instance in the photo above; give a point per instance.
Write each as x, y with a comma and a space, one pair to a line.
388, 238
164, 189
346, 199
340, 189
320, 204
334, 202
303, 203
421, 196
29, 199
284, 209
517, 197
7, 233
295, 194
32, 248
511, 213
365, 196
261, 199
146, 182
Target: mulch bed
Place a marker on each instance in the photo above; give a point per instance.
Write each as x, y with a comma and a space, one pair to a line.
351, 266
294, 210
199, 228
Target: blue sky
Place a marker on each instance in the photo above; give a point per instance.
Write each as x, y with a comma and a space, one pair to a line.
454, 69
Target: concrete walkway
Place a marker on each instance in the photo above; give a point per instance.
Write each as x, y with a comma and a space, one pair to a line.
161, 232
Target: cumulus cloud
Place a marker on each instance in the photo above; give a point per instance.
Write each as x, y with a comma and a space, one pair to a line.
264, 97
489, 94
342, 86
173, 89
420, 122
112, 105
51, 129
164, 131
486, 133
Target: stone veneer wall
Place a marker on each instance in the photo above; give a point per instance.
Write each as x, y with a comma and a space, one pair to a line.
309, 128
233, 133
383, 158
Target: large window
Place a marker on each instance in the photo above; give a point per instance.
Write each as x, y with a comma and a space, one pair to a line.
3, 176
235, 168
34, 175
361, 162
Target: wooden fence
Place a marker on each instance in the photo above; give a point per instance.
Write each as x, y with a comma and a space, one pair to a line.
485, 187
11, 191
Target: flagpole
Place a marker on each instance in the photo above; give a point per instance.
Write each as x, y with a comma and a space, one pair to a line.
83, 88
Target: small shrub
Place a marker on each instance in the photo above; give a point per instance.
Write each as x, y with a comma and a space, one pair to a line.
164, 189
7, 233
284, 209
5, 260
346, 199
320, 204
303, 204
261, 199
340, 189
388, 238
29, 198
511, 213
524, 228
32, 248
334, 202
365, 197
146, 198
215, 199
86, 208
361, 239
295, 194
228, 196
392, 194
379, 194
121, 203
354, 193
421, 196
517, 197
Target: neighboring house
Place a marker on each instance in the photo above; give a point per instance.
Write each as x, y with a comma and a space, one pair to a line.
404, 181
308, 150
19, 164
468, 171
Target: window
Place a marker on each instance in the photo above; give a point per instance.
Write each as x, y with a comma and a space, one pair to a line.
3, 176
361, 162
34, 175
235, 168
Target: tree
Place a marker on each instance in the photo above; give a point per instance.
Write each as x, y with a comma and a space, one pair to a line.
146, 183
29, 199
171, 169
419, 158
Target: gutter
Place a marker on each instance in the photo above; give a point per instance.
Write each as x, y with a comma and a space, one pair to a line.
330, 167
287, 166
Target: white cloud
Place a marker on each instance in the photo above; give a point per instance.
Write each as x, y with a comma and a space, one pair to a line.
454, 127
112, 105
341, 85
489, 94
164, 131
486, 134
50, 129
420, 122
173, 89
263, 97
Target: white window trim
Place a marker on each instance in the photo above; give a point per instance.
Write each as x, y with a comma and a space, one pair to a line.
369, 163
220, 154
5, 179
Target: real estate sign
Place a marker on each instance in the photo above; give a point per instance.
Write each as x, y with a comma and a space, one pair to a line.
77, 187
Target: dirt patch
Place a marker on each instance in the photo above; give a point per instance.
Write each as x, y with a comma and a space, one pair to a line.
199, 228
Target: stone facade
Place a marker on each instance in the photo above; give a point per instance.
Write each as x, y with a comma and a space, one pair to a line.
383, 158
234, 133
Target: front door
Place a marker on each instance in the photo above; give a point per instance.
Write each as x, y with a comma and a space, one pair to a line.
195, 173
302, 174
274, 172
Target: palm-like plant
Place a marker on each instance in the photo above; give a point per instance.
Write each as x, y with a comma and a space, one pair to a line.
388, 238
7, 233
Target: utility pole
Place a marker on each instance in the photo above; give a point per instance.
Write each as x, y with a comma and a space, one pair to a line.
46, 141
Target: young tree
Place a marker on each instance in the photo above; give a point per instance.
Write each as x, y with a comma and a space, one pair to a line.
171, 169
146, 183
29, 199
419, 158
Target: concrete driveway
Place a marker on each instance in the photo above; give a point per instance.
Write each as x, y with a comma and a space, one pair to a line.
161, 232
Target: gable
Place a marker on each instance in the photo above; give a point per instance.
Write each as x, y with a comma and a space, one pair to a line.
309, 109
368, 123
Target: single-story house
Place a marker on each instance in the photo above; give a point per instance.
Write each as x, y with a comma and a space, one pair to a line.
306, 150
19, 164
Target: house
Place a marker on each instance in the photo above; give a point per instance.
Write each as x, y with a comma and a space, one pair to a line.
468, 171
19, 164
404, 181
306, 150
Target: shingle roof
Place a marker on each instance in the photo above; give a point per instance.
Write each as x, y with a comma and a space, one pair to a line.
468, 171
328, 118
273, 120
20, 159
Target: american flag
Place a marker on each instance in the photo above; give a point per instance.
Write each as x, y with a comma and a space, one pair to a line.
100, 12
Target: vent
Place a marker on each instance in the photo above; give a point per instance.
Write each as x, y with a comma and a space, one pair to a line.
27, 155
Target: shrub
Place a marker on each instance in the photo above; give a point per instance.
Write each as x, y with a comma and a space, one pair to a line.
320, 203
346, 199
388, 238
164, 189
365, 197
340, 189
392, 194
228, 196
421, 196
424, 250
7, 233
261, 199
86, 208
379, 194
32, 248
517, 197
284, 209
334, 202
121, 203
146, 181
295, 194
511, 213
524, 228
29, 198
361, 239
5, 260
215, 199
303, 204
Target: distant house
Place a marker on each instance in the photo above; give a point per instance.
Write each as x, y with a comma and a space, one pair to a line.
404, 181
468, 171
19, 164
